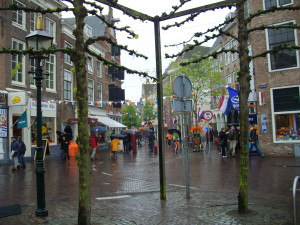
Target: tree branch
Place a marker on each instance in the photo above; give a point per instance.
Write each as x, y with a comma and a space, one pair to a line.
275, 50
36, 9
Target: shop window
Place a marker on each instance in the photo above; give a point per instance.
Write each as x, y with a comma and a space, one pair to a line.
48, 129
283, 59
286, 104
287, 127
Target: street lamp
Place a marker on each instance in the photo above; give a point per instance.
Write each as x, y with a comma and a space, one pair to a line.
38, 40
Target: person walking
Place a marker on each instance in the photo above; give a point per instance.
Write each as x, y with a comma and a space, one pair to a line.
115, 147
93, 144
231, 139
64, 148
22, 150
169, 139
253, 139
222, 142
151, 138
175, 138
14, 153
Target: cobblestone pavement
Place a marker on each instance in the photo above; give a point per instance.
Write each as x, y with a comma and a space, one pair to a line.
126, 191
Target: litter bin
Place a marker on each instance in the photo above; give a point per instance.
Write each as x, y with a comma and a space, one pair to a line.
297, 150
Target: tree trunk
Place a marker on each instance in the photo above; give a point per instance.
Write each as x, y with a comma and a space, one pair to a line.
244, 80
84, 163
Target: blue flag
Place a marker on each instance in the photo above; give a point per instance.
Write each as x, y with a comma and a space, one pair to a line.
234, 98
22, 121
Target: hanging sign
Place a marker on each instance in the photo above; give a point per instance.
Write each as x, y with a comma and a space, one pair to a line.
17, 98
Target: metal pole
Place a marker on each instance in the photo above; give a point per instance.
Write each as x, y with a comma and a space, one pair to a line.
161, 143
41, 210
186, 148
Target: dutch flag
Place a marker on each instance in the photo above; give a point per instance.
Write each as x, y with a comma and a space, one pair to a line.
201, 113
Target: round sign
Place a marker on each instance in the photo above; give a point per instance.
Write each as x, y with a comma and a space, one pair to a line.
208, 115
182, 86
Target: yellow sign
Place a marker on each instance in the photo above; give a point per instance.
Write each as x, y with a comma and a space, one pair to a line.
17, 98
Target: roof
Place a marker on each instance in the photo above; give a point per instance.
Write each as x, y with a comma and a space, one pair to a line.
97, 25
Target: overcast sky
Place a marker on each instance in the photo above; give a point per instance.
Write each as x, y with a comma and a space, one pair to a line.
145, 42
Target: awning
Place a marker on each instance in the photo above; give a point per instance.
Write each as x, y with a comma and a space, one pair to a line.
109, 122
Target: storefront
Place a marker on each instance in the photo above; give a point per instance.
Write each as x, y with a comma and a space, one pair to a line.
286, 114
48, 122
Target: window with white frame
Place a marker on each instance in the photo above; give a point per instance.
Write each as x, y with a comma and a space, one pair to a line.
18, 62
88, 31
32, 62
32, 21
90, 90
286, 105
90, 64
227, 55
19, 16
229, 79
50, 70
67, 56
68, 75
271, 3
99, 69
283, 59
51, 28
234, 46
99, 92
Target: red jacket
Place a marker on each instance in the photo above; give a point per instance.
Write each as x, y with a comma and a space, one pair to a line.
93, 141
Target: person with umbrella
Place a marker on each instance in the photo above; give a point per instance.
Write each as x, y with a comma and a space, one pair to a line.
176, 138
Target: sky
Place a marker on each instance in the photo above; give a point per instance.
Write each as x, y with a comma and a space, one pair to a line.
144, 44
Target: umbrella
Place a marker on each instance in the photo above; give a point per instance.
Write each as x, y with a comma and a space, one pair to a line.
128, 131
99, 129
195, 128
205, 129
118, 135
171, 131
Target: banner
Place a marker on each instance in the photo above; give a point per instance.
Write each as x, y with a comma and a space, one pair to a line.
22, 121
3, 123
234, 97
226, 105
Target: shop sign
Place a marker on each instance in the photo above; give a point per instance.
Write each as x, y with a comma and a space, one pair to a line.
3, 123
46, 106
90, 120
17, 98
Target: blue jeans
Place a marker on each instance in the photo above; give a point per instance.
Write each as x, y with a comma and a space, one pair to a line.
151, 146
21, 160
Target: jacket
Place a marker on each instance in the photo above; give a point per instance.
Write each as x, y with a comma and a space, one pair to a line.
14, 146
115, 145
93, 141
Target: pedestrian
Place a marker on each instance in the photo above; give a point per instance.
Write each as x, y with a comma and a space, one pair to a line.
231, 140
222, 142
151, 139
176, 139
93, 144
14, 153
115, 147
64, 148
68, 130
22, 150
169, 139
253, 139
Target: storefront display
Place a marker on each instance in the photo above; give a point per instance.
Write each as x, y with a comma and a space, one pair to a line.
48, 129
287, 127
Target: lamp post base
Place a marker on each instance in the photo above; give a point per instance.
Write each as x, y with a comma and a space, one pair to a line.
41, 212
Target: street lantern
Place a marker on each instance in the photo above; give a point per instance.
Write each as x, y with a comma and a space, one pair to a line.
39, 40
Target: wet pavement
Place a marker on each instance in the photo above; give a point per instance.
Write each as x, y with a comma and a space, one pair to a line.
126, 191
